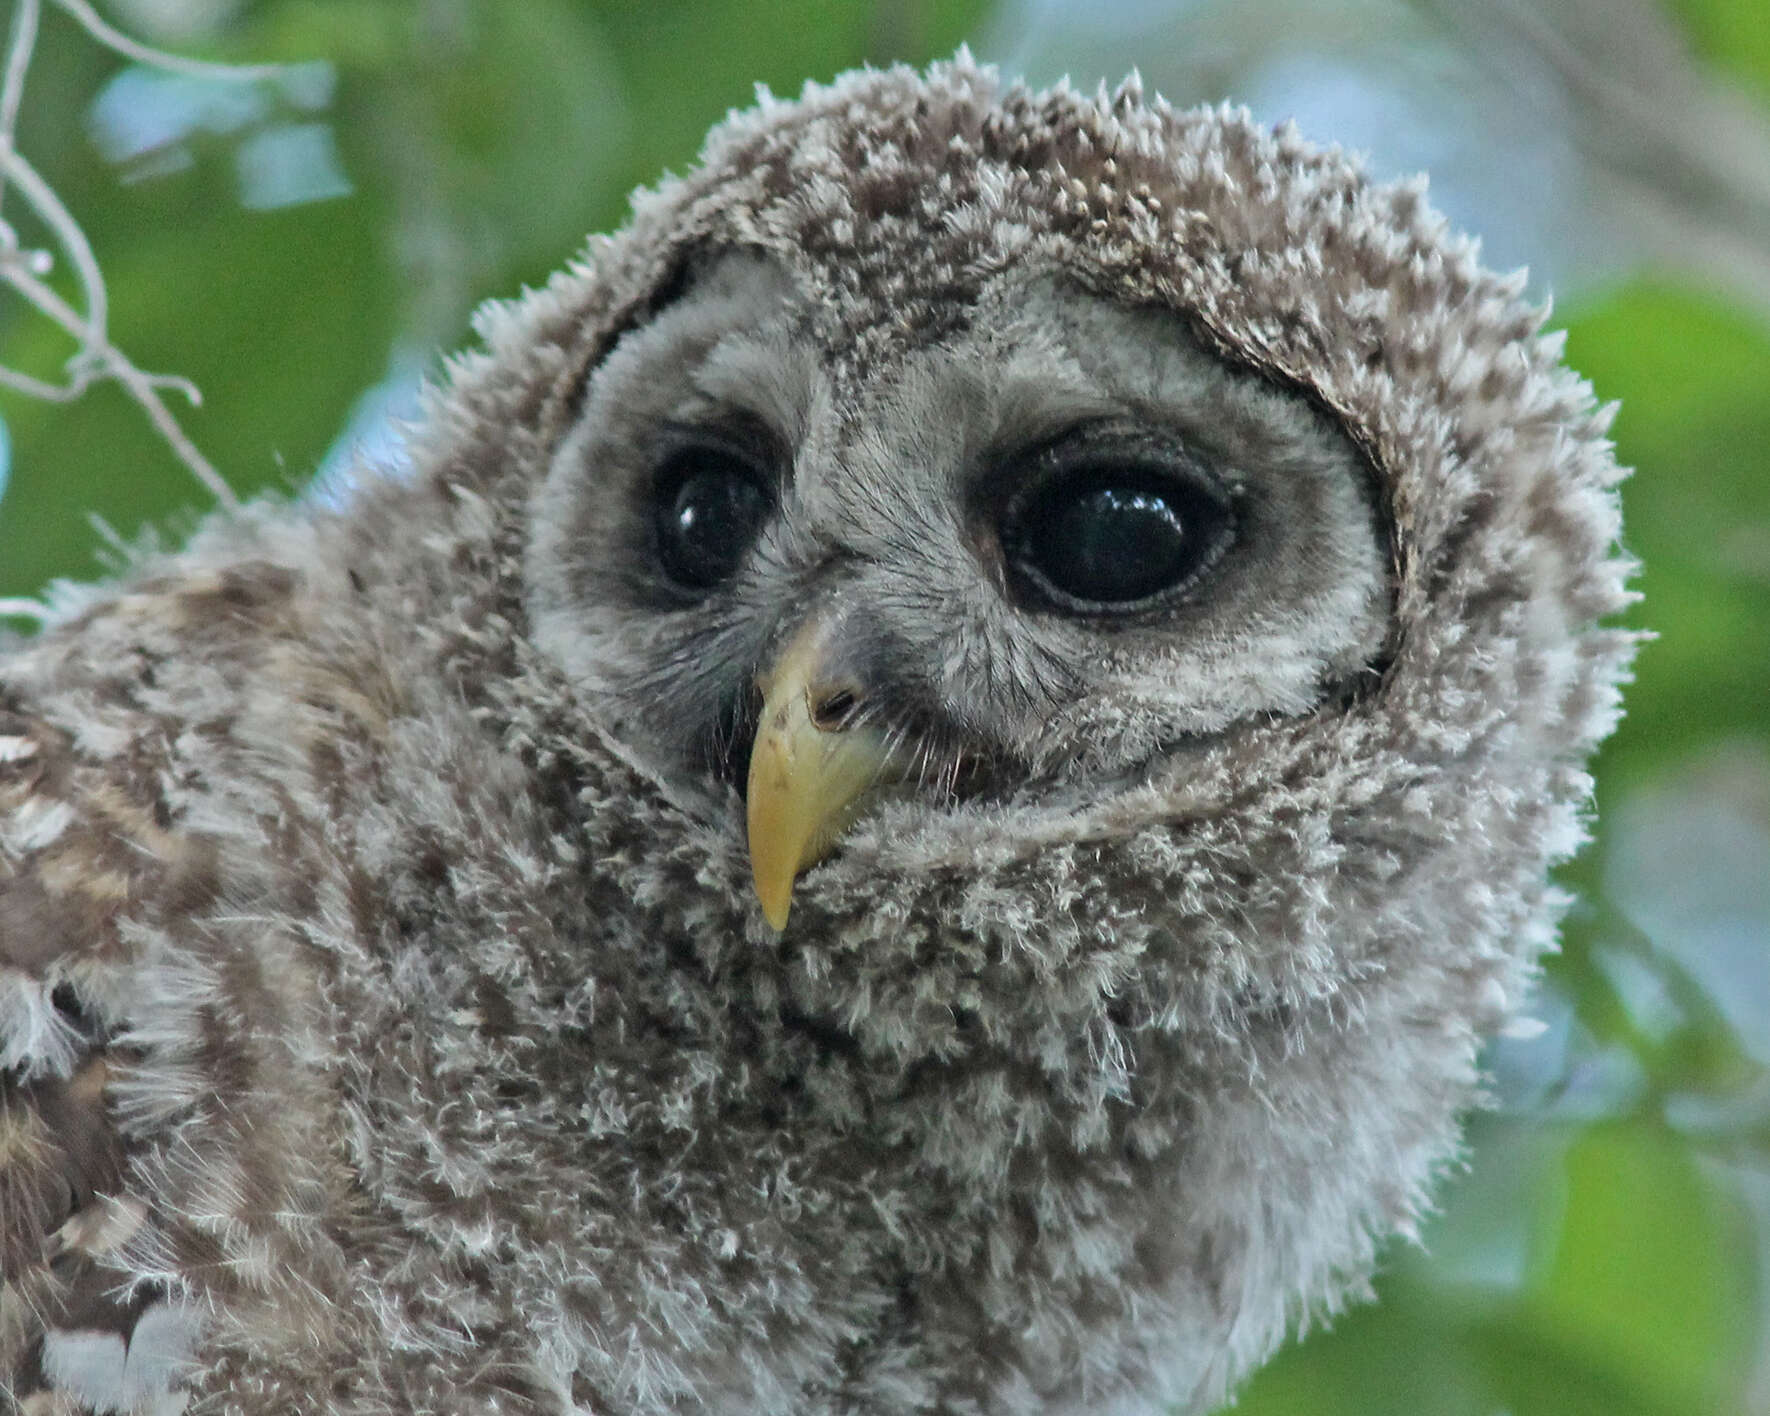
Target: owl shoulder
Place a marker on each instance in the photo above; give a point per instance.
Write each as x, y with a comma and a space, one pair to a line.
123, 751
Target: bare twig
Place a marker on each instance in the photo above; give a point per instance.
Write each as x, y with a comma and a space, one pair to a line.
105, 360
19, 48
12, 607
60, 221
112, 38
22, 270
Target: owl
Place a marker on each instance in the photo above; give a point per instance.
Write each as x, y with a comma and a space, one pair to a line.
918, 803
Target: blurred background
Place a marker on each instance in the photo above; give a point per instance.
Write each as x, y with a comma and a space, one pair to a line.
305, 246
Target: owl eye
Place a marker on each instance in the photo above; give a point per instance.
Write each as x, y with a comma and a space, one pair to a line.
710, 506
1102, 535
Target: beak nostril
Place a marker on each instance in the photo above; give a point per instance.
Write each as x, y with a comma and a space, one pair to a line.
834, 710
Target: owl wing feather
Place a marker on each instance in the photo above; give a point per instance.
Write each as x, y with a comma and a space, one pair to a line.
75, 1337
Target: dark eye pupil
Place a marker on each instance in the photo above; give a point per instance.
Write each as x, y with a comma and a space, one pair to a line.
710, 508
1111, 537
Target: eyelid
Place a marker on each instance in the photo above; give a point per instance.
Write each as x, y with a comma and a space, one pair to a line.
1015, 478
737, 431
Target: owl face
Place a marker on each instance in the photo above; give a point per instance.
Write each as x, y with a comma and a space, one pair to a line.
1038, 549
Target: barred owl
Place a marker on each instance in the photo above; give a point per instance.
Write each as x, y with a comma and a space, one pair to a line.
919, 802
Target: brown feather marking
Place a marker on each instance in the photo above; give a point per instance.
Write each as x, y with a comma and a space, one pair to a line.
48, 1403
38, 925
87, 1303
56, 898
119, 845
58, 1152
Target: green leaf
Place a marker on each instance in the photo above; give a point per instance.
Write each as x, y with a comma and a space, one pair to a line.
1643, 1285
1691, 375
1395, 1359
1734, 35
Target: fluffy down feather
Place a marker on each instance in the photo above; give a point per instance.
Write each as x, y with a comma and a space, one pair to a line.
381, 1035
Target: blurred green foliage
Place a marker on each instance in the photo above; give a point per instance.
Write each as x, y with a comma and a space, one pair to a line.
1734, 35
1606, 1246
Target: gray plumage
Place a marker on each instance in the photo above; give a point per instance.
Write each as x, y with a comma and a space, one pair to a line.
389, 1021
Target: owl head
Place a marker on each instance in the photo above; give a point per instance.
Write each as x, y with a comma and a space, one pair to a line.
1065, 634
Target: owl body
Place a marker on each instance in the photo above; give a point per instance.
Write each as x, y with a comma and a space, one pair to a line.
1212, 555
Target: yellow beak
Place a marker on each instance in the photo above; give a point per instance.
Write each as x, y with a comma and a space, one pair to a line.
812, 763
